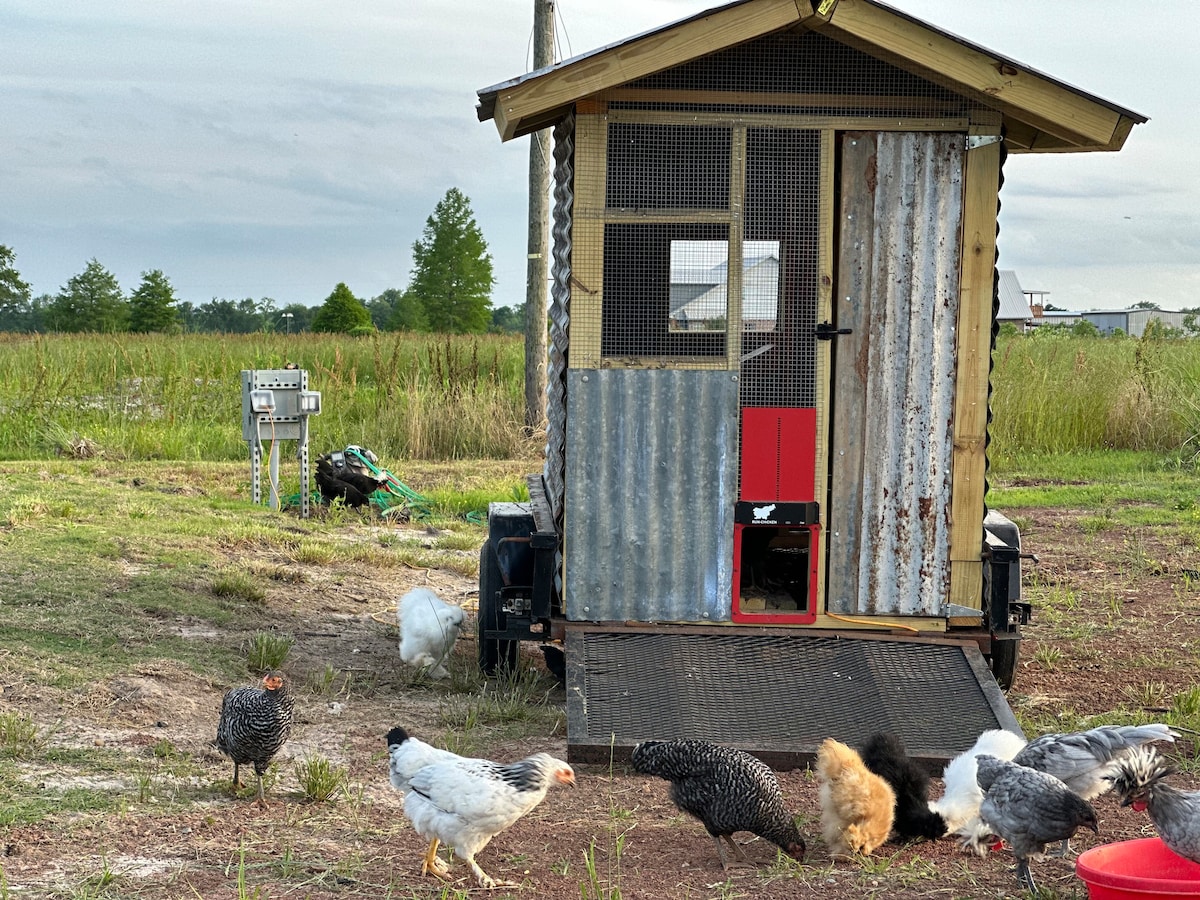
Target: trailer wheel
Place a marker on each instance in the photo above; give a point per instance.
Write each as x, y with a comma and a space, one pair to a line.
494, 654
1004, 661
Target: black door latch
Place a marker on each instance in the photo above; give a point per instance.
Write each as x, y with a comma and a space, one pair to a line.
826, 331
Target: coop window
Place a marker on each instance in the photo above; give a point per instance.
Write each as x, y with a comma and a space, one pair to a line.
638, 286
700, 285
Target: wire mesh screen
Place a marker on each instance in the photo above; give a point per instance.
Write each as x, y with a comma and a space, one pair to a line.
796, 73
644, 313
780, 260
667, 166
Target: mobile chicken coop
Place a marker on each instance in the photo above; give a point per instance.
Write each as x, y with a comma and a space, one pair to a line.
761, 518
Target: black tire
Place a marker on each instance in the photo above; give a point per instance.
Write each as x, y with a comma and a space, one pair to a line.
495, 655
1004, 660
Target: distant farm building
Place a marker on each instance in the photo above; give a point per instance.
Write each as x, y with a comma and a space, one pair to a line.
1014, 302
1133, 322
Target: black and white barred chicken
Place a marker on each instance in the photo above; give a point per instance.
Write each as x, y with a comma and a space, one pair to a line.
255, 723
1138, 781
464, 803
728, 790
1029, 809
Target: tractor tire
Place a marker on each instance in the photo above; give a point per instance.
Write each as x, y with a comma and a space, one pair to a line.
495, 655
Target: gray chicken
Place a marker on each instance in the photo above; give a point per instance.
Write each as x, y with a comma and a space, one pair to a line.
728, 790
1029, 809
1138, 781
254, 724
1082, 760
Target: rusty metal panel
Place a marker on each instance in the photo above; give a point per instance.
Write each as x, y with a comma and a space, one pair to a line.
651, 482
889, 541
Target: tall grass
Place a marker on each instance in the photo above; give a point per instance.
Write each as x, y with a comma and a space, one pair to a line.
1059, 393
157, 397
455, 397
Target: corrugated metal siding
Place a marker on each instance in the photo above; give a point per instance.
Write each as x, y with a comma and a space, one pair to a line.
651, 483
894, 388
560, 316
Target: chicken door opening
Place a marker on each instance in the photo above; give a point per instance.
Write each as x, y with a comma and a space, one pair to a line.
773, 574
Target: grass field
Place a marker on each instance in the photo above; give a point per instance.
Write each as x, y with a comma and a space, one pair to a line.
443, 397
140, 583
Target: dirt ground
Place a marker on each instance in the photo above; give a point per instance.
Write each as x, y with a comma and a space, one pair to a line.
1136, 645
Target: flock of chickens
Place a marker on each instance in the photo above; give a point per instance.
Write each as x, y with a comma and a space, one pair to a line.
1000, 791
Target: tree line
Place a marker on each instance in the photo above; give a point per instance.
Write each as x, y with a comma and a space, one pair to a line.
449, 292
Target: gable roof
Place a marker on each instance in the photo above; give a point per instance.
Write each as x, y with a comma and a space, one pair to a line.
1041, 114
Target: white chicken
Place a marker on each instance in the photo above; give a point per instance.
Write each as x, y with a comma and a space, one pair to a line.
429, 626
962, 796
407, 755
464, 803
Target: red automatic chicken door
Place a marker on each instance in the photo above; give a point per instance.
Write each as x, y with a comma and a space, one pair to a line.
777, 519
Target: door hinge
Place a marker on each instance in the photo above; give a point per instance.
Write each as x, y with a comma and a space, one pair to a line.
981, 140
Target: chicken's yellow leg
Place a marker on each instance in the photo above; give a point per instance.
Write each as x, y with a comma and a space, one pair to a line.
432, 864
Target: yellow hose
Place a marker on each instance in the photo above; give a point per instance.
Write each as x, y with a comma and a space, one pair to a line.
873, 624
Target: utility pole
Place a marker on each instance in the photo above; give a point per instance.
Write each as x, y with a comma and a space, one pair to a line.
536, 274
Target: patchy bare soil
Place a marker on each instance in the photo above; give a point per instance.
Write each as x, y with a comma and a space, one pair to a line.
1120, 632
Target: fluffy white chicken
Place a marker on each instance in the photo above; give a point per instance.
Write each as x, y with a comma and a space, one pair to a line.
429, 626
961, 797
464, 803
407, 755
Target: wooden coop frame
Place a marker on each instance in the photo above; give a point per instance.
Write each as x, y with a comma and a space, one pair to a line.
840, 148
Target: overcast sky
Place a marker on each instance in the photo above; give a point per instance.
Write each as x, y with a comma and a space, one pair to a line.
275, 148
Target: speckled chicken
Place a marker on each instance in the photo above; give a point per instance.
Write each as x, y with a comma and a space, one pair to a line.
464, 803
1138, 781
885, 755
1029, 809
727, 789
254, 725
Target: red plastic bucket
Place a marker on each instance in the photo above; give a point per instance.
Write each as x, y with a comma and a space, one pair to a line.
1138, 870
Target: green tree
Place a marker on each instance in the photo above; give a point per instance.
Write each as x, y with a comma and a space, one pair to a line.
244, 316
452, 270
508, 320
152, 305
14, 294
90, 301
407, 313
1145, 304
294, 318
341, 313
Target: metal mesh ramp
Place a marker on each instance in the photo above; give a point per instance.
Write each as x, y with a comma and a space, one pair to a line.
777, 695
